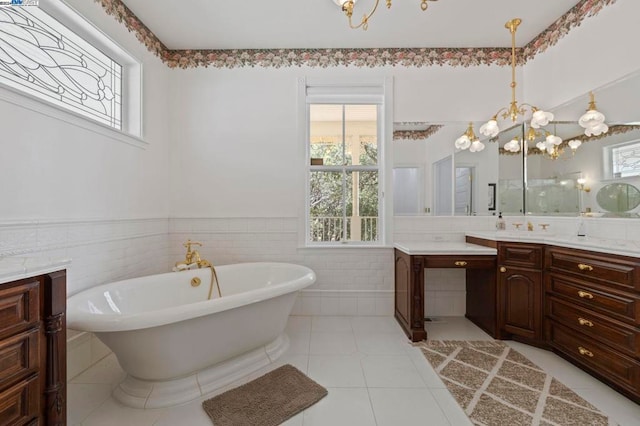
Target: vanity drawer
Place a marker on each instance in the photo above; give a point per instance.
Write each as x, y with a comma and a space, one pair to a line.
620, 370
19, 307
19, 356
622, 306
520, 254
20, 403
464, 262
611, 332
615, 271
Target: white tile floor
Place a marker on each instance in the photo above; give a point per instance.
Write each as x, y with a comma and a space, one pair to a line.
373, 374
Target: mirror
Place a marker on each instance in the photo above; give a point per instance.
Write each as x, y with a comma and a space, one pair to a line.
565, 183
618, 197
431, 177
436, 179
510, 168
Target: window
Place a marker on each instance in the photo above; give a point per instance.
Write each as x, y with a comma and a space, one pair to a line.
343, 191
625, 160
42, 57
345, 129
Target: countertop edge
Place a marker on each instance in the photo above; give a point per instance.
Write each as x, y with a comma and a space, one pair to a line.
599, 245
29, 267
444, 248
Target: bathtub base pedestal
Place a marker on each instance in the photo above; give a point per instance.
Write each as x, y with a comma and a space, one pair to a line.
138, 393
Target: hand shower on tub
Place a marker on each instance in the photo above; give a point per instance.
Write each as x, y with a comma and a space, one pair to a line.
192, 260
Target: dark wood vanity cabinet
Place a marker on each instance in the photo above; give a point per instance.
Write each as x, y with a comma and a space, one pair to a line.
592, 307
32, 351
520, 291
409, 289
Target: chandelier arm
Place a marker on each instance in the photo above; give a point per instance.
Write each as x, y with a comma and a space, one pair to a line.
365, 19
495, 116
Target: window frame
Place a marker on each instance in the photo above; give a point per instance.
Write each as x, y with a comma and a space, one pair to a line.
131, 81
608, 157
380, 92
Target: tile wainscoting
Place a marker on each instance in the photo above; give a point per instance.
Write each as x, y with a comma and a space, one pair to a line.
350, 281
101, 251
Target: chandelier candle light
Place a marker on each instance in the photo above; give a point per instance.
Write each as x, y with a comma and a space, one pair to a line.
347, 8
593, 120
469, 140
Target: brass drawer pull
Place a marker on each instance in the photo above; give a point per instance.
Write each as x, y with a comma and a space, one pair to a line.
584, 267
460, 263
585, 352
586, 322
503, 269
585, 294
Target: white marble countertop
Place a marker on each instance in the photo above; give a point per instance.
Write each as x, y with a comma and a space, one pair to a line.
443, 248
17, 268
602, 245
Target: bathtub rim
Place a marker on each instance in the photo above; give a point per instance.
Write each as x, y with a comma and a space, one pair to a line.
98, 323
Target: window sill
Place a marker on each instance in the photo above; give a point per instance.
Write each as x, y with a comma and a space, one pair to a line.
31, 103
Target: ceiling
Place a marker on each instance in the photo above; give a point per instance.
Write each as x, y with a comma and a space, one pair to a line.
296, 24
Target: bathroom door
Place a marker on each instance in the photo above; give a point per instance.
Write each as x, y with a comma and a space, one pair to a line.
443, 186
464, 191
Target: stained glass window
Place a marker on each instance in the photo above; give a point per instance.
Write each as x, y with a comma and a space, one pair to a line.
42, 57
626, 160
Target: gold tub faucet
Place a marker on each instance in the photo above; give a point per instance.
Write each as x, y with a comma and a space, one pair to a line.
529, 226
192, 257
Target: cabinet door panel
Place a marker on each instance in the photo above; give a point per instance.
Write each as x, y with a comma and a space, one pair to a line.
19, 306
520, 302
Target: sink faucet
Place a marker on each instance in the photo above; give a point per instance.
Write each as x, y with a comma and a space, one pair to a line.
529, 226
192, 257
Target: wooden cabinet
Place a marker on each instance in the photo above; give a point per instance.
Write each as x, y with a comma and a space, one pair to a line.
593, 314
32, 351
481, 299
409, 289
520, 291
409, 294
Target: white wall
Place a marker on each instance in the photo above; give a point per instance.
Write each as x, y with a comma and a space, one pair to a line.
72, 192
235, 150
600, 50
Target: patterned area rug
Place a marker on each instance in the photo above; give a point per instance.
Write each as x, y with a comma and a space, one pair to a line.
268, 400
496, 385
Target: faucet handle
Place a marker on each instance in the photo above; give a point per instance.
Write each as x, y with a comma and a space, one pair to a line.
544, 226
190, 243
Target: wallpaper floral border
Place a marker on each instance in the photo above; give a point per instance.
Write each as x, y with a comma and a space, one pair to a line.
616, 129
416, 134
370, 58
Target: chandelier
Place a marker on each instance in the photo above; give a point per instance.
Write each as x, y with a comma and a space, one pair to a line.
347, 8
592, 121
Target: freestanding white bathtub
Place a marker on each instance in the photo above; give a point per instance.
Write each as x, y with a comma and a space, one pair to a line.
176, 345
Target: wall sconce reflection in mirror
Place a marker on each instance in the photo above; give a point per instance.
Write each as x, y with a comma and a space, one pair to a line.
581, 185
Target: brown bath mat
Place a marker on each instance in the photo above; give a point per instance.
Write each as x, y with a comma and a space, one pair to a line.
268, 400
